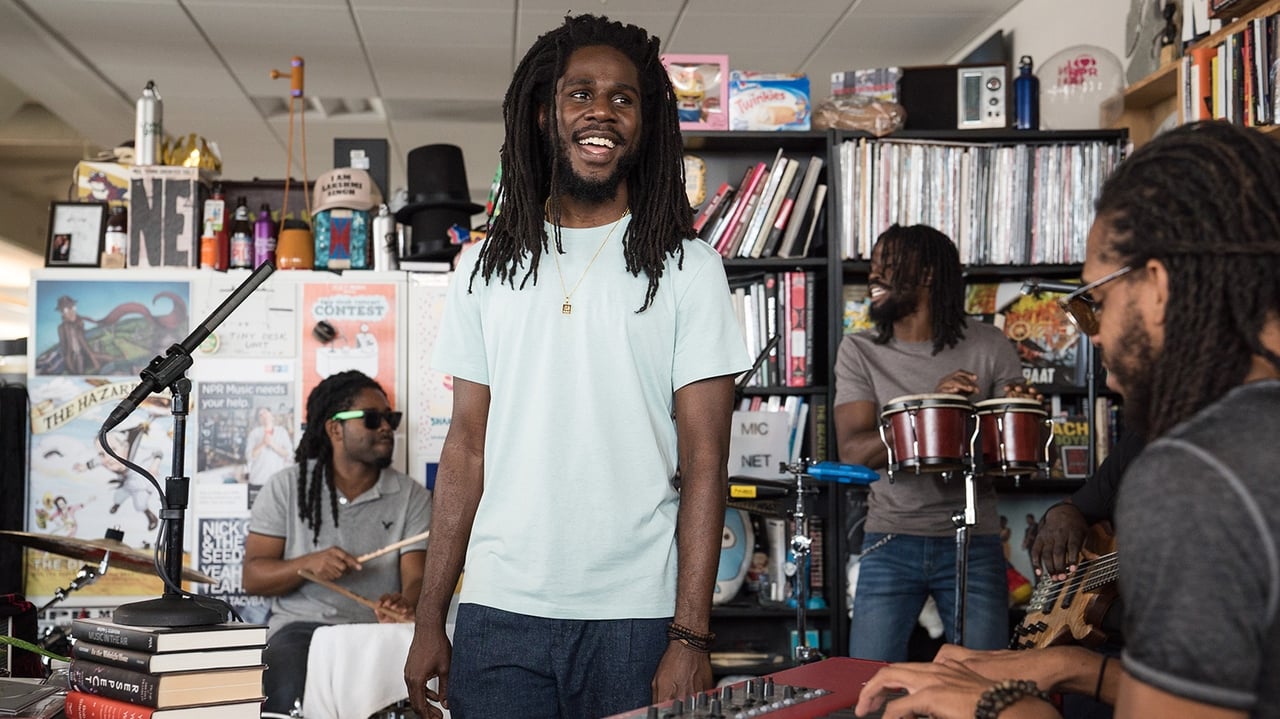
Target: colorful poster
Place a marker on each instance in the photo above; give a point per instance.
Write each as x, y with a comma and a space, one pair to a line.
430, 404
80, 491
219, 553
359, 332
105, 327
247, 432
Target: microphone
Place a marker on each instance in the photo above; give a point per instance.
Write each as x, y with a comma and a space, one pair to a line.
1035, 286
163, 371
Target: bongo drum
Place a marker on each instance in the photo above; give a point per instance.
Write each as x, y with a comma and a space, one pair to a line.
1014, 434
926, 432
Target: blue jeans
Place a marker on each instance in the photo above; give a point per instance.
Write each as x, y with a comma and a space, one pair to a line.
895, 580
513, 665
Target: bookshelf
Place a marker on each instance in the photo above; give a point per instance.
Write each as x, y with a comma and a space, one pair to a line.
743, 625
755, 637
1145, 105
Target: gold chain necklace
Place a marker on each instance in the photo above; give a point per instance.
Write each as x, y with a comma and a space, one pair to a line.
567, 307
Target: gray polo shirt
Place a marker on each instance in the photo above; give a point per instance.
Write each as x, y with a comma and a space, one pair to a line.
395, 507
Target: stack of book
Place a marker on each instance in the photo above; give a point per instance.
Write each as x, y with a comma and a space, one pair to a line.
128, 672
772, 212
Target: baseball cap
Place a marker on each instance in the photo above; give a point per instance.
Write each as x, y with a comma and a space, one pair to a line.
347, 188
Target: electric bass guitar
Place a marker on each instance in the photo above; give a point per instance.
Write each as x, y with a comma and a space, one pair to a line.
1070, 610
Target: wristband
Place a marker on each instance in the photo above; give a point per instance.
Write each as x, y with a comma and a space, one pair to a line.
1004, 695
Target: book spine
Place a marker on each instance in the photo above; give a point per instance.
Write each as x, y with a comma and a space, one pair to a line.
123, 637
113, 682
709, 209
798, 331
81, 705
113, 656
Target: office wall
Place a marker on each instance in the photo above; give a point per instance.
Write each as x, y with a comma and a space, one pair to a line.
1040, 28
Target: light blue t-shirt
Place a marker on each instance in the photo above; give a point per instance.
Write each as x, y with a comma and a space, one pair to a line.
578, 516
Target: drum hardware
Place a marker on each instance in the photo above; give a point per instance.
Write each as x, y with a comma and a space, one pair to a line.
801, 543
1010, 430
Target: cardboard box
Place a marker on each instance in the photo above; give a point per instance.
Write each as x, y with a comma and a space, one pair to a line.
342, 240
768, 101
102, 182
165, 206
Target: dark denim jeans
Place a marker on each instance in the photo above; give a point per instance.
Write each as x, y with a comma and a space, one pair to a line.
286, 660
895, 579
511, 665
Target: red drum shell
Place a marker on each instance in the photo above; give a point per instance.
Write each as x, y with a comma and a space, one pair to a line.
1011, 432
928, 432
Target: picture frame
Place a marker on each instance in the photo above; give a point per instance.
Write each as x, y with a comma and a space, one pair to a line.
701, 83
76, 234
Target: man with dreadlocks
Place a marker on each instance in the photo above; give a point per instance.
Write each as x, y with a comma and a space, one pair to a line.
1184, 257
593, 347
341, 500
921, 344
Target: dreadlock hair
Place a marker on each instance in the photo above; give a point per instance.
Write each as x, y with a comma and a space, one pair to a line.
532, 175
1204, 200
921, 255
334, 394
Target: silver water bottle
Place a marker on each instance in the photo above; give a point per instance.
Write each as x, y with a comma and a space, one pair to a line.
149, 127
386, 240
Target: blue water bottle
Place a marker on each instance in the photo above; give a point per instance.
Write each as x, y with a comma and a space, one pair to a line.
1026, 97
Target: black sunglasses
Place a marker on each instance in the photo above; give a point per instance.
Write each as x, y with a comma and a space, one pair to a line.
372, 417
1080, 306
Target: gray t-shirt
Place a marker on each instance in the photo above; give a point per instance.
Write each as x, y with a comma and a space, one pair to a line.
395, 508
865, 371
1198, 528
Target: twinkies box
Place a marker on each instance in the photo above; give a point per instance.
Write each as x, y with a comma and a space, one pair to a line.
342, 239
768, 101
165, 205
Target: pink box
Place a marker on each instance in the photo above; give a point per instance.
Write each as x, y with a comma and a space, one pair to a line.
701, 83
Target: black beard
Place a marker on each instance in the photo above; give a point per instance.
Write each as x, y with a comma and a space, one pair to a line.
590, 191
892, 308
1133, 372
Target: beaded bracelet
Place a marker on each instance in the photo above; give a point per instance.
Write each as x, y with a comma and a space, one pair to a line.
1004, 695
694, 640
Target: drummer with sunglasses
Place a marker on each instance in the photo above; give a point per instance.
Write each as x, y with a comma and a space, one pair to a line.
339, 501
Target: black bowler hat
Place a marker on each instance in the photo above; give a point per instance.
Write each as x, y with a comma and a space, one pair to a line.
437, 179
429, 235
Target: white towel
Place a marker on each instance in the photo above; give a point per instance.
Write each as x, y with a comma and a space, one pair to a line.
353, 670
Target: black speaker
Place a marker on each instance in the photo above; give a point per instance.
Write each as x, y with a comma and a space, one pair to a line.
348, 151
13, 481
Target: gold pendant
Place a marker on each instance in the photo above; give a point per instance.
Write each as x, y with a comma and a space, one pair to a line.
566, 308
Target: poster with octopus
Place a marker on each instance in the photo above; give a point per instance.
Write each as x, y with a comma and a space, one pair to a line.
92, 335
108, 326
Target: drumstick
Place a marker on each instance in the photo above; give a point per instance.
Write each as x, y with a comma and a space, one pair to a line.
392, 547
305, 574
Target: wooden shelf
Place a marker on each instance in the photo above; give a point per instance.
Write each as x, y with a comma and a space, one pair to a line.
1153, 89
1144, 105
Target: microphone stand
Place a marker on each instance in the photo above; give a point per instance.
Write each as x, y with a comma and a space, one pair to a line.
1035, 286
173, 609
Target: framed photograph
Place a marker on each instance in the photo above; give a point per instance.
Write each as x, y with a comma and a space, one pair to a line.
701, 83
76, 231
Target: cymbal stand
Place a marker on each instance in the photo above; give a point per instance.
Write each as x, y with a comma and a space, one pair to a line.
87, 575
801, 543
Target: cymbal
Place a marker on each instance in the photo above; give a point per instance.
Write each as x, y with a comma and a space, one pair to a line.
93, 550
